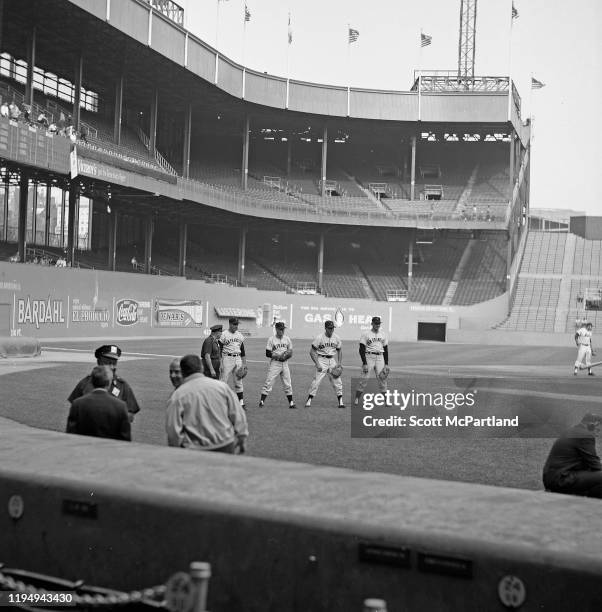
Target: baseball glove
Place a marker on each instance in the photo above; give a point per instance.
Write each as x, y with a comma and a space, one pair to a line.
384, 373
286, 355
241, 371
336, 370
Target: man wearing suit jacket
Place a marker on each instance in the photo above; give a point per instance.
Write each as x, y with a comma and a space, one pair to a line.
98, 413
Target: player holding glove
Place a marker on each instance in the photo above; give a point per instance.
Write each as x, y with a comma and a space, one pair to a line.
374, 353
279, 350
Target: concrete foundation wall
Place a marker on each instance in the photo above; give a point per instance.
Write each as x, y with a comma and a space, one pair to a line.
287, 536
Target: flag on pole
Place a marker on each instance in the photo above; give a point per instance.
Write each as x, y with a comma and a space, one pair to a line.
290, 30
514, 12
425, 40
353, 35
247, 13
535, 84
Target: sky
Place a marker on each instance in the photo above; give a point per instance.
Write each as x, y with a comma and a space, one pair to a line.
555, 41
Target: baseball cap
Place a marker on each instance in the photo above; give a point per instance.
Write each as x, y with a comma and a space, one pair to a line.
280, 325
375, 319
233, 321
214, 328
108, 350
328, 324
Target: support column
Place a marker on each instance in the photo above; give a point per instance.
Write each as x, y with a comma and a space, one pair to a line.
47, 215
512, 151
77, 97
1, 23
244, 174
324, 159
413, 169
183, 231
148, 244
289, 155
31, 62
411, 261
118, 110
71, 222
242, 251
152, 136
22, 223
321, 263
112, 225
187, 137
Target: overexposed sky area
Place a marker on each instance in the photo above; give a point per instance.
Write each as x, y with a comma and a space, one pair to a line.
556, 41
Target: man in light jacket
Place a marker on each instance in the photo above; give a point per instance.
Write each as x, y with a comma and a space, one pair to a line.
205, 414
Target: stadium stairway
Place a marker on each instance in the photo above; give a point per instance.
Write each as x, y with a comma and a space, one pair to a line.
564, 299
364, 281
453, 286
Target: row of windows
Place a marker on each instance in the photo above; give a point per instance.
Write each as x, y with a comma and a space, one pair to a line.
46, 82
47, 215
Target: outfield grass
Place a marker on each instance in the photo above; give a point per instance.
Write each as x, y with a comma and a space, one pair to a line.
321, 434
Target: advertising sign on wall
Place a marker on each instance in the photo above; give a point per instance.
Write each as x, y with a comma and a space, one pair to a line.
40, 312
130, 312
178, 313
96, 313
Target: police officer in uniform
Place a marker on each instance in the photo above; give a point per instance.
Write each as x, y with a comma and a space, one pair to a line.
211, 353
108, 354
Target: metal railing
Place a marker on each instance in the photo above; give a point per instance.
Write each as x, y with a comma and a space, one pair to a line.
170, 9
158, 157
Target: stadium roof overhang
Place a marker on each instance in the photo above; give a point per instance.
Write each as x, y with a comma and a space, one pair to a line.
64, 29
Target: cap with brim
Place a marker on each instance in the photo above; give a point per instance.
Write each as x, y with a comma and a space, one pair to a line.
328, 324
109, 351
280, 325
233, 321
215, 328
375, 319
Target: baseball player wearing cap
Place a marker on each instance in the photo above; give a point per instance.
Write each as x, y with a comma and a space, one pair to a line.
279, 350
211, 354
322, 352
374, 353
583, 340
108, 354
233, 355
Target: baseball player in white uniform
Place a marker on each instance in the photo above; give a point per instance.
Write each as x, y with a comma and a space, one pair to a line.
233, 356
374, 353
322, 352
278, 350
583, 340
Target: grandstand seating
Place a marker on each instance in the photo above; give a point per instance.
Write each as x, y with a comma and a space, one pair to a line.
588, 257
438, 262
535, 304
341, 280
384, 277
484, 275
544, 253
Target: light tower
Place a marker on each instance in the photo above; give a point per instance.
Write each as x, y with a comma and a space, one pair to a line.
466, 44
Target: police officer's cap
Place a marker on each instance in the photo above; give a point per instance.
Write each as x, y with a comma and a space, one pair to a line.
108, 350
280, 325
328, 324
233, 321
376, 320
215, 328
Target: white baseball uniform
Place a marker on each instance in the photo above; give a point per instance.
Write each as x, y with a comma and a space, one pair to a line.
276, 368
375, 343
232, 347
326, 349
584, 341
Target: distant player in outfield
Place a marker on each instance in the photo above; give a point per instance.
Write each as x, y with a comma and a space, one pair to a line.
583, 340
279, 350
374, 353
322, 352
233, 356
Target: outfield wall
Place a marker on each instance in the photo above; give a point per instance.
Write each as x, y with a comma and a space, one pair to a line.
47, 302
289, 536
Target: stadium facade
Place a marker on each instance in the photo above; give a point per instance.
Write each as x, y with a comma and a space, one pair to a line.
158, 154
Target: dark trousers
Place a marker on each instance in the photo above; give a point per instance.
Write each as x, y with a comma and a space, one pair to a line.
207, 371
585, 483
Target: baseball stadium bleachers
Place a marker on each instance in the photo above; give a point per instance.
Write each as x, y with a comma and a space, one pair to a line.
588, 257
544, 253
484, 275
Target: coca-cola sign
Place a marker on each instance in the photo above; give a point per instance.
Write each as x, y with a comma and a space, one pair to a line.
126, 312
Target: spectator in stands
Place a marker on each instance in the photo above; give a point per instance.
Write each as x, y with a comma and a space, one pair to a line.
573, 466
83, 134
98, 413
61, 124
175, 373
13, 111
43, 120
134, 262
205, 414
52, 128
4, 109
26, 113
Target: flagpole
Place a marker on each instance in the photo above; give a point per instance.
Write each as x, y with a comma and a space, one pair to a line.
420, 76
510, 60
348, 68
216, 38
244, 44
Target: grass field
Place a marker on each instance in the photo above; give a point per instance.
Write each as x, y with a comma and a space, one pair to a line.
34, 393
